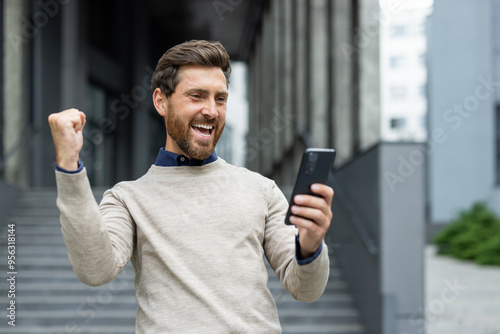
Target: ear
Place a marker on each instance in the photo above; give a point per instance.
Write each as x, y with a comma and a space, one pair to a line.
160, 102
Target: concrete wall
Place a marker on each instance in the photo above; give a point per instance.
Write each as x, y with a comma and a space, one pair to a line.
402, 239
461, 108
358, 182
387, 277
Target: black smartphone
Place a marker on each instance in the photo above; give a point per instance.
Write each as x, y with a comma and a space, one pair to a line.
314, 168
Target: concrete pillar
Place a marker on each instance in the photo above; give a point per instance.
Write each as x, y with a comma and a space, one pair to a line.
15, 91
342, 81
254, 100
369, 73
287, 112
141, 79
265, 135
73, 72
278, 80
318, 66
300, 62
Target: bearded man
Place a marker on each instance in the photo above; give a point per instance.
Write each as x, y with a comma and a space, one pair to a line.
195, 228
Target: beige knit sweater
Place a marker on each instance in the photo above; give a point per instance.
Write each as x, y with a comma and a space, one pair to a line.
196, 237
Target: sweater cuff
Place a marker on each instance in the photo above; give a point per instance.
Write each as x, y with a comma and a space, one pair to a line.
309, 259
80, 168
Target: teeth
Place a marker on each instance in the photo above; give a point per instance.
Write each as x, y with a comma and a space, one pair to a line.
209, 127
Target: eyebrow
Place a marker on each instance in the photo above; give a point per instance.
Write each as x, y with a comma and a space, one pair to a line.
204, 91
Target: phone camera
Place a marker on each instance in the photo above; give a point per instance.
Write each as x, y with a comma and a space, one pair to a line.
312, 158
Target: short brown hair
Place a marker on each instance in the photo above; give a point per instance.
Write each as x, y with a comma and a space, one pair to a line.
194, 52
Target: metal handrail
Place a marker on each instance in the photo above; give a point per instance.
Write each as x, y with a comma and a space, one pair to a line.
28, 130
344, 201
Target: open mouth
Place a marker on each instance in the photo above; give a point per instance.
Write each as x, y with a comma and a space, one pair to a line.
203, 129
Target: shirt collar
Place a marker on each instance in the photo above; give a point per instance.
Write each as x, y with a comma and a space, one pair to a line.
170, 159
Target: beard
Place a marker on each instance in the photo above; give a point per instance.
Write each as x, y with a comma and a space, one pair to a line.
181, 133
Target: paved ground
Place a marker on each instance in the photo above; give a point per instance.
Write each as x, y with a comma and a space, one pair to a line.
461, 296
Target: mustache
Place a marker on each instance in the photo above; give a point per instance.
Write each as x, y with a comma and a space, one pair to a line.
204, 121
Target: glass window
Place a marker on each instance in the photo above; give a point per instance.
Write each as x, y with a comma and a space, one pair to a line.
398, 123
398, 30
99, 136
397, 61
397, 92
420, 28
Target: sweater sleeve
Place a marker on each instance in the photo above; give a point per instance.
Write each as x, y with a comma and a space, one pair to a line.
303, 282
99, 239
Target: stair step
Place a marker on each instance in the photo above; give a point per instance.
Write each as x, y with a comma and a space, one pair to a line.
322, 329
65, 299
36, 212
69, 328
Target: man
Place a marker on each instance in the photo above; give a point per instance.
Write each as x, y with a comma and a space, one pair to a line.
194, 227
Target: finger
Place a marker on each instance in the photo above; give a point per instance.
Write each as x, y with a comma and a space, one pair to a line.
314, 202
324, 191
303, 223
72, 118
317, 216
82, 121
311, 201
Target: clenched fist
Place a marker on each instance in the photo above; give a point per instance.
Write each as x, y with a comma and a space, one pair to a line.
67, 127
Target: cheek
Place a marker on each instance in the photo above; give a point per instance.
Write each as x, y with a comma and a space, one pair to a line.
222, 114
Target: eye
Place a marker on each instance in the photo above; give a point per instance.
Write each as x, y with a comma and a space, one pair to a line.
196, 96
222, 100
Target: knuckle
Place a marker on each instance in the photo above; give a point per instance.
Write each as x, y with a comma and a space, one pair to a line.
319, 216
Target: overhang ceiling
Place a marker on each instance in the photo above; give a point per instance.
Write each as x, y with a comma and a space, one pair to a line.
232, 22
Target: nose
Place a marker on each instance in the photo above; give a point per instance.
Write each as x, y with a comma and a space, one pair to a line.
210, 110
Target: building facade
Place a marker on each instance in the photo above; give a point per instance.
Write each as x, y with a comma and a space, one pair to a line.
463, 108
403, 72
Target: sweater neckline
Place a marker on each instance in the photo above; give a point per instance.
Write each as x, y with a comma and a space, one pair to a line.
187, 170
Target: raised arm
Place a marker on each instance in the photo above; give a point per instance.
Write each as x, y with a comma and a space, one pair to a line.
99, 239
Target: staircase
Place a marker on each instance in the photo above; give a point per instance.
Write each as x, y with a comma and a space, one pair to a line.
50, 299
332, 313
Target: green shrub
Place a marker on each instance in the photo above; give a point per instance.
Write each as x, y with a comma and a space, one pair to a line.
474, 235
489, 252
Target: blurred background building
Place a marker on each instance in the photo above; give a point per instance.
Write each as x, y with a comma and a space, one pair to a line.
403, 73
405, 91
464, 99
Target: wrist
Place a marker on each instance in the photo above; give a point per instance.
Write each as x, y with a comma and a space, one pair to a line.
60, 169
69, 164
305, 255
306, 251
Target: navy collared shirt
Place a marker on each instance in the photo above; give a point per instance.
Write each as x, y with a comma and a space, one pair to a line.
170, 159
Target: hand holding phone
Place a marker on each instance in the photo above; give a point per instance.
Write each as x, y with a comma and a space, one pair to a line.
314, 168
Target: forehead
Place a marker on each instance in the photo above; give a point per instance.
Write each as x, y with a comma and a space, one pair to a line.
195, 76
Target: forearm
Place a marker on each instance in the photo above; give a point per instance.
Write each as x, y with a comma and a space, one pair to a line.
307, 282
304, 279
89, 245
